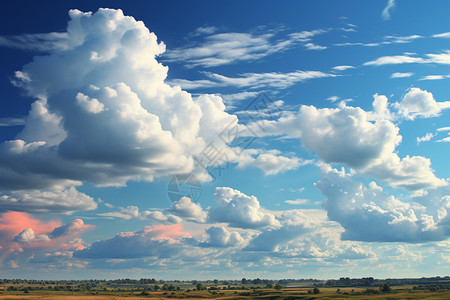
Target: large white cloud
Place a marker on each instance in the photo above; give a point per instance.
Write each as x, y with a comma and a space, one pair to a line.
104, 114
60, 201
240, 210
368, 214
363, 140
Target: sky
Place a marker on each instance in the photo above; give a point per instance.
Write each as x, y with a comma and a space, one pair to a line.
206, 139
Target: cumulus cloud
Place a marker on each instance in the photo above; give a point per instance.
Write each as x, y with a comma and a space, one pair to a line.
368, 214
219, 236
25, 239
418, 103
104, 114
158, 241
239, 210
188, 210
272, 163
363, 140
65, 201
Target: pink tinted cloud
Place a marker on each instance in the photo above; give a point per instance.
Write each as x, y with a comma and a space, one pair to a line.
14, 222
165, 232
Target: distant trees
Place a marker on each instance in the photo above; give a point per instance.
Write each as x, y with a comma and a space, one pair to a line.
385, 288
278, 286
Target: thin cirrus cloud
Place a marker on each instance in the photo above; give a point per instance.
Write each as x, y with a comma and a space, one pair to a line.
402, 75
226, 48
252, 80
45, 42
408, 58
386, 13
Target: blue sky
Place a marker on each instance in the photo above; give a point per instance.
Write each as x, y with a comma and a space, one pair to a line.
206, 140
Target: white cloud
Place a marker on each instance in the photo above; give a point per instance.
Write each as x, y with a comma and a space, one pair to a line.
45, 42
252, 80
298, 201
343, 68
188, 210
433, 77
157, 241
407, 58
240, 210
386, 14
425, 138
272, 163
28, 236
442, 35
396, 59
333, 98
65, 201
364, 141
312, 46
368, 214
105, 115
219, 236
419, 103
401, 75
6, 122
227, 48
443, 129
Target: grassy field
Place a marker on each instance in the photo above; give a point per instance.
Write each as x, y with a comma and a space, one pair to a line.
290, 292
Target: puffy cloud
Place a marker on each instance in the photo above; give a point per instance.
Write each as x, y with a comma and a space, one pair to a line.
25, 239
419, 103
188, 210
368, 214
221, 237
157, 241
271, 163
28, 235
105, 115
363, 140
240, 210
293, 225
66, 201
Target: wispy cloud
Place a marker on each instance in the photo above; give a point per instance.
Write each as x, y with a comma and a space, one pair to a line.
312, 46
343, 68
252, 80
426, 138
407, 58
225, 48
433, 77
44, 42
445, 35
401, 75
6, 122
386, 14
387, 40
